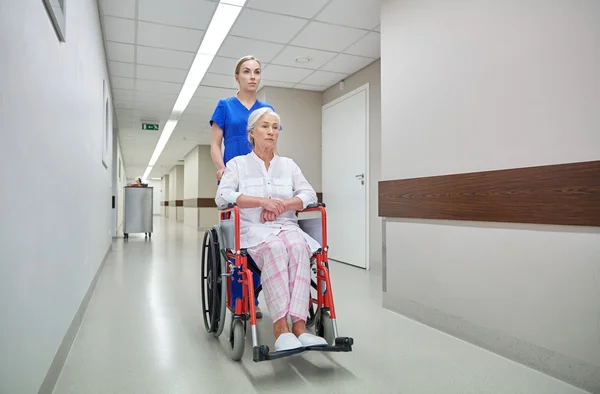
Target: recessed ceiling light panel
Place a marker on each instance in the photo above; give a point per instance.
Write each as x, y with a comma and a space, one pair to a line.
303, 59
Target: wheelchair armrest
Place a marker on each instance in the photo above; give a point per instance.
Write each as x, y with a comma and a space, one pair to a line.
228, 206
315, 205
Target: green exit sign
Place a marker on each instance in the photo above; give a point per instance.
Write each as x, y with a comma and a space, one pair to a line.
150, 126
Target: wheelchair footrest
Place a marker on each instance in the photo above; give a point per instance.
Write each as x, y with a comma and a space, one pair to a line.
342, 344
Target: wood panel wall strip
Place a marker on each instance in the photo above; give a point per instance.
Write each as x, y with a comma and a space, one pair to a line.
210, 202
563, 194
176, 203
200, 203
164, 203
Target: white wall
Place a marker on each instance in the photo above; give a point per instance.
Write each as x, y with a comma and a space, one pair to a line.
300, 139
56, 218
156, 196
470, 86
371, 75
165, 196
190, 186
121, 183
176, 189
207, 182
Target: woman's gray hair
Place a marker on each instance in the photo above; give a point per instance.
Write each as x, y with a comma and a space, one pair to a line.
256, 116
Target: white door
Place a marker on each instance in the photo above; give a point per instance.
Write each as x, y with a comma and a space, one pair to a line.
345, 147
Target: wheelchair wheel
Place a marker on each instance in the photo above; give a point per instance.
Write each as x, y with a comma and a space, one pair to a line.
310, 320
212, 283
237, 339
324, 326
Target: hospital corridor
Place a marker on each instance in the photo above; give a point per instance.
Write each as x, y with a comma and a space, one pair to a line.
279, 196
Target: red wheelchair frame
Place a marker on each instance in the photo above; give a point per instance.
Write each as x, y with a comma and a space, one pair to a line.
246, 310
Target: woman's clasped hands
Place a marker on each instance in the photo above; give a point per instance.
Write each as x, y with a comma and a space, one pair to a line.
271, 209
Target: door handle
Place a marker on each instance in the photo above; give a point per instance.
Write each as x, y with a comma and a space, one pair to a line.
360, 176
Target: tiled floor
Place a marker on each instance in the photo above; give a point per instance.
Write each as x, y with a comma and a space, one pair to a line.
143, 333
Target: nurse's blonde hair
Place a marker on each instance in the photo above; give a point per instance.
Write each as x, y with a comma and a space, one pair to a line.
256, 116
240, 62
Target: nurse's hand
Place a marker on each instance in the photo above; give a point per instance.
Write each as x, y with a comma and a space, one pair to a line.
275, 206
220, 174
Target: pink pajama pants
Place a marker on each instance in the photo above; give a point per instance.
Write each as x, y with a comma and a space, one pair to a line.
284, 260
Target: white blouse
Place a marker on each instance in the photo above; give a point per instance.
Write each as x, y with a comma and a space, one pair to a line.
283, 180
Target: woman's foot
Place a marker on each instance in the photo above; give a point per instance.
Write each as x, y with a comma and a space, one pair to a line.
284, 339
305, 338
287, 341
259, 313
308, 339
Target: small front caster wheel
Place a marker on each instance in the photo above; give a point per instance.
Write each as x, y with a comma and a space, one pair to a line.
237, 339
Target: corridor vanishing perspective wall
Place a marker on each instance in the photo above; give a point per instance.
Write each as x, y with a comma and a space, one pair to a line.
56, 214
489, 86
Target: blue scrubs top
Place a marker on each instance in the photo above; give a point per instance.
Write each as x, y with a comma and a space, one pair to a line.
232, 117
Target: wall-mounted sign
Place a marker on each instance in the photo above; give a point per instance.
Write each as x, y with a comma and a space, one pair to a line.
150, 126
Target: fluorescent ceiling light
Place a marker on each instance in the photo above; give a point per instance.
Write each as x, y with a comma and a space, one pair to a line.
162, 141
145, 176
220, 24
198, 69
239, 3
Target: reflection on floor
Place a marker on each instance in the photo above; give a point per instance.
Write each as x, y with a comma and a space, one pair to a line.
143, 333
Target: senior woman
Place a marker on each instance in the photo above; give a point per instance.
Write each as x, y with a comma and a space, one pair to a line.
269, 189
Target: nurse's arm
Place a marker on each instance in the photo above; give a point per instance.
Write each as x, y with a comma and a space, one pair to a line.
215, 147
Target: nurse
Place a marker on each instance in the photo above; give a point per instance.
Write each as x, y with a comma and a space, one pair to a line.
229, 123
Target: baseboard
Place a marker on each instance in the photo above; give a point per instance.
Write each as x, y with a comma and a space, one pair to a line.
576, 372
60, 357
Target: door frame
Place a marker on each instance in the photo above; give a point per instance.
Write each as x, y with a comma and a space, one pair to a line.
365, 87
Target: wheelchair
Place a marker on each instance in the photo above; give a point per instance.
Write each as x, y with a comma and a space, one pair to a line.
221, 255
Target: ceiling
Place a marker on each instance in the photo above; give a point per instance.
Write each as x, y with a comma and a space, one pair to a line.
150, 46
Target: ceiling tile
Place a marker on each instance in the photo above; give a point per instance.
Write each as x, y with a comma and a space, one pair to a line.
223, 65
121, 8
120, 52
224, 81
237, 47
122, 83
158, 86
118, 69
125, 123
123, 114
195, 14
278, 84
123, 95
265, 26
360, 14
324, 78
119, 29
347, 64
161, 74
328, 37
198, 101
124, 104
310, 87
285, 74
158, 99
157, 108
302, 9
169, 37
214, 92
369, 45
290, 53
164, 58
